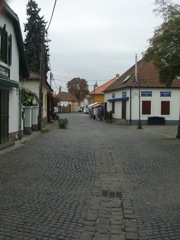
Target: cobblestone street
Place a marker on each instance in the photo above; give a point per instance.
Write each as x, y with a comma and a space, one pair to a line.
92, 181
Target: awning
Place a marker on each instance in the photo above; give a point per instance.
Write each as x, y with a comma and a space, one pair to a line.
8, 83
94, 104
118, 99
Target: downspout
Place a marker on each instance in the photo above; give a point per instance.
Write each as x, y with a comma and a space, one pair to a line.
20, 115
130, 121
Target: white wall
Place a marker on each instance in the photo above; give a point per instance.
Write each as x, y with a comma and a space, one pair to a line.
32, 85
14, 75
14, 68
155, 103
13, 110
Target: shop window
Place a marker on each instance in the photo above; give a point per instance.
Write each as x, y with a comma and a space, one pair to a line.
165, 107
146, 107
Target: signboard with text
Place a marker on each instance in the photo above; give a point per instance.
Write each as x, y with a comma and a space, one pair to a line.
4, 72
146, 93
165, 94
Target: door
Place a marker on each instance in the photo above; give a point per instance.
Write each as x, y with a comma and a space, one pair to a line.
123, 109
4, 116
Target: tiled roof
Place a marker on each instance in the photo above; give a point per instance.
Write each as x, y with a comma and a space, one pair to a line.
100, 89
147, 73
66, 96
35, 76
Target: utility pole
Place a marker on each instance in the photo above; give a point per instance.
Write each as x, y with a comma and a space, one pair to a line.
41, 81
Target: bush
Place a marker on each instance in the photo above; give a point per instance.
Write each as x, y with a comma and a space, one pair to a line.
62, 122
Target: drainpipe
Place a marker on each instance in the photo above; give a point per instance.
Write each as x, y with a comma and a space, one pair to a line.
20, 115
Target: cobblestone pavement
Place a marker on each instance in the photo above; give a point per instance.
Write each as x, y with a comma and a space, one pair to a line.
92, 181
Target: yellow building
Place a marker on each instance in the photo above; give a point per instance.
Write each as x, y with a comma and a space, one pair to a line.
97, 94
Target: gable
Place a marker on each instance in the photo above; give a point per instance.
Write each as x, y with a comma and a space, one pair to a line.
8, 13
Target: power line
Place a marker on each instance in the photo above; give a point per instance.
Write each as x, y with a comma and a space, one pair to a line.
51, 15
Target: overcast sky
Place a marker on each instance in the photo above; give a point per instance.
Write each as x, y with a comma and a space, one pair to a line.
93, 39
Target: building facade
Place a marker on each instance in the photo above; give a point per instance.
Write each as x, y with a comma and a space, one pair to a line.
132, 99
12, 66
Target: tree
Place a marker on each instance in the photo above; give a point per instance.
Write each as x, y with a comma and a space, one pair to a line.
35, 39
164, 48
78, 88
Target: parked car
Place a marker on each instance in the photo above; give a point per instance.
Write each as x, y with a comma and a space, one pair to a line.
80, 109
86, 110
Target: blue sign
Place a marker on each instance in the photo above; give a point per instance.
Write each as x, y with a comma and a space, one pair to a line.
123, 94
146, 93
165, 94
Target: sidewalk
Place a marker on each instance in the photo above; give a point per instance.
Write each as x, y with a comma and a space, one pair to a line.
25, 139
164, 130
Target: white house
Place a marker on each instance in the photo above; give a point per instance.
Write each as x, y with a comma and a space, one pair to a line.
12, 67
33, 84
146, 99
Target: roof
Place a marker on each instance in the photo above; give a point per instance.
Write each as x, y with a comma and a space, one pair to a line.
66, 96
147, 74
100, 89
15, 21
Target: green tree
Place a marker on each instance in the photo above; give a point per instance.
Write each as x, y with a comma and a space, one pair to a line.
78, 88
164, 49
35, 41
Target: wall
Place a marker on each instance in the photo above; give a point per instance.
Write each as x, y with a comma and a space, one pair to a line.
99, 98
155, 104
14, 75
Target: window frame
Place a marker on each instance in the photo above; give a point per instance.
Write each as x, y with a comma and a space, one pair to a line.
146, 109
165, 107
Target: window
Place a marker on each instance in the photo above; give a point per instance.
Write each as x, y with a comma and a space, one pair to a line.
5, 46
165, 107
146, 107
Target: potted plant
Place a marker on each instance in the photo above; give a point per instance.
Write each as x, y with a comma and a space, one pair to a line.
107, 116
110, 117
62, 122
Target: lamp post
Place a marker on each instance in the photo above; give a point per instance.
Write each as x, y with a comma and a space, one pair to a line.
178, 130
139, 121
139, 87
95, 86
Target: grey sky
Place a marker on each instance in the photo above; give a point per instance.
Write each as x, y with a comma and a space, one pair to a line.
94, 39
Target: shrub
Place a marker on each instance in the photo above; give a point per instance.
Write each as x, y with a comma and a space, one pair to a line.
62, 122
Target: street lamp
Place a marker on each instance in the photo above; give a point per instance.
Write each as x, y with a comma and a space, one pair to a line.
178, 130
95, 86
139, 86
139, 121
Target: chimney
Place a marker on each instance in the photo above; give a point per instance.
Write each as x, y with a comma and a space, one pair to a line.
117, 76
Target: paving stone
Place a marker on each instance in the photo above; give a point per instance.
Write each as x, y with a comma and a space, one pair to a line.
131, 236
51, 186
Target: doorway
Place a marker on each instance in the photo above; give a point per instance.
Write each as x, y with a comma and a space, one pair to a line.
4, 116
123, 109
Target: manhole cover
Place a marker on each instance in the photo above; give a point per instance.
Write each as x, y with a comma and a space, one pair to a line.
111, 194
